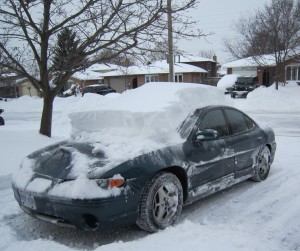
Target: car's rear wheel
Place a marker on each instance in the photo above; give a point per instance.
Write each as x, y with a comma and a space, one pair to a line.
161, 202
263, 165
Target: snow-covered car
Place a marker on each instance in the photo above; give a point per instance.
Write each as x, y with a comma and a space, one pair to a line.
140, 164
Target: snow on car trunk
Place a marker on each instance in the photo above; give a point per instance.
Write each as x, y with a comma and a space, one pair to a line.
143, 119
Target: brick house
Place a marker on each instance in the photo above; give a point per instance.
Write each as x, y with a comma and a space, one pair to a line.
122, 78
135, 76
290, 69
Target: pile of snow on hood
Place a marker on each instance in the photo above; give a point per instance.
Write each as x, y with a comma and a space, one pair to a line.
227, 81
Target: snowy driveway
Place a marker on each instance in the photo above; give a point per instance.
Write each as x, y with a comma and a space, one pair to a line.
249, 216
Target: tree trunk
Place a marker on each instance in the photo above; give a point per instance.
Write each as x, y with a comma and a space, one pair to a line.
276, 76
46, 120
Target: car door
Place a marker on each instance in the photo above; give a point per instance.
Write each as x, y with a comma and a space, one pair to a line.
210, 157
245, 139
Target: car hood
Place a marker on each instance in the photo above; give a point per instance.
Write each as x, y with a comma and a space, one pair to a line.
68, 160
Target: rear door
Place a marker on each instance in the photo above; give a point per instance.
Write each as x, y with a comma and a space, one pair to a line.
245, 139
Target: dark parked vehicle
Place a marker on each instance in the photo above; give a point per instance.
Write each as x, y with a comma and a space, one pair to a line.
1, 119
243, 86
98, 89
222, 146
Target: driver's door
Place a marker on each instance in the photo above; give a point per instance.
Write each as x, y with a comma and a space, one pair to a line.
211, 157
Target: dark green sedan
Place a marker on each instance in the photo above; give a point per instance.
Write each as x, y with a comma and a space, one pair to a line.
222, 146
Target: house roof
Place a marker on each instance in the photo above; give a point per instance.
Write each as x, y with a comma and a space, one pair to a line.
104, 67
99, 71
266, 60
158, 67
87, 75
191, 59
95, 72
263, 60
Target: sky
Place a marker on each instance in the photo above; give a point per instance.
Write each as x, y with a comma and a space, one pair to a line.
218, 17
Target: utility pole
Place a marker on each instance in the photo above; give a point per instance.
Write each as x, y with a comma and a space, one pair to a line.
170, 42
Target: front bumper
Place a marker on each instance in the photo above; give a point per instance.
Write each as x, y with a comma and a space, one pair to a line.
93, 214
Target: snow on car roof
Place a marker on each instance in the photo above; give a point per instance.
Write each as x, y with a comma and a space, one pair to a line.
143, 119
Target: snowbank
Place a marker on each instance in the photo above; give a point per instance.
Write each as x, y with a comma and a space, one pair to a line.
227, 81
70, 104
268, 98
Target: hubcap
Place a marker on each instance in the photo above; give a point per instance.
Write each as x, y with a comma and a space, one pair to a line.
263, 166
165, 203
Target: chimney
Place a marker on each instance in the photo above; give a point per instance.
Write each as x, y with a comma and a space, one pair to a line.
215, 58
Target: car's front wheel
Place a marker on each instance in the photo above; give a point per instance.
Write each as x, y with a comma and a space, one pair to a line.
263, 165
161, 202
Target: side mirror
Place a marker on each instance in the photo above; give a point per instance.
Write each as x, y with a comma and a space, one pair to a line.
206, 135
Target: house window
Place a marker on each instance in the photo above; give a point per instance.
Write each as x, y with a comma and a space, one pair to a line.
151, 78
293, 73
178, 78
209, 67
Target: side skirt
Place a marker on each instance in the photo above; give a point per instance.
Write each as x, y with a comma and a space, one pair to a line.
214, 186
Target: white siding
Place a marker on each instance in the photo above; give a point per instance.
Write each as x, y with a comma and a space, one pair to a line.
245, 71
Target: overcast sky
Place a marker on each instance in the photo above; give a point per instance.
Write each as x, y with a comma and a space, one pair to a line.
218, 16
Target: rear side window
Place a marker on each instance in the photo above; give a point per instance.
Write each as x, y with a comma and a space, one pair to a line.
215, 120
249, 122
237, 121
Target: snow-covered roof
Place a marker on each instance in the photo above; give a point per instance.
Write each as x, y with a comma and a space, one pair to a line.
190, 59
88, 75
266, 60
262, 60
98, 71
103, 67
158, 67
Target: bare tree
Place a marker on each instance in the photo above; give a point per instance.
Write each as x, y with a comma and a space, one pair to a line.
47, 41
206, 53
272, 33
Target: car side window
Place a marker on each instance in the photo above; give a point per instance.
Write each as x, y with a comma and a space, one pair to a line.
215, 120
237, 121
250, 122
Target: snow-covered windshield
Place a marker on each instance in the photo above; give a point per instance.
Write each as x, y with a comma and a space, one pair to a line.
188, 124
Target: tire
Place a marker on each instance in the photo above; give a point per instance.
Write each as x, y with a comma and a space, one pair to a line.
263, 165
161, 202
1, 121
233, 95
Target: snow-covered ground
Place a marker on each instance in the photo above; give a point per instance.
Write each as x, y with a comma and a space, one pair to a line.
249, 216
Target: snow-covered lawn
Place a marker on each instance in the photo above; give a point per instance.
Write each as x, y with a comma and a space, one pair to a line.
249, 216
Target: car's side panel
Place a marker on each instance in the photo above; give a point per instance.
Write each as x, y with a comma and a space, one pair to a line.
245, 147
210, 161
214, 186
